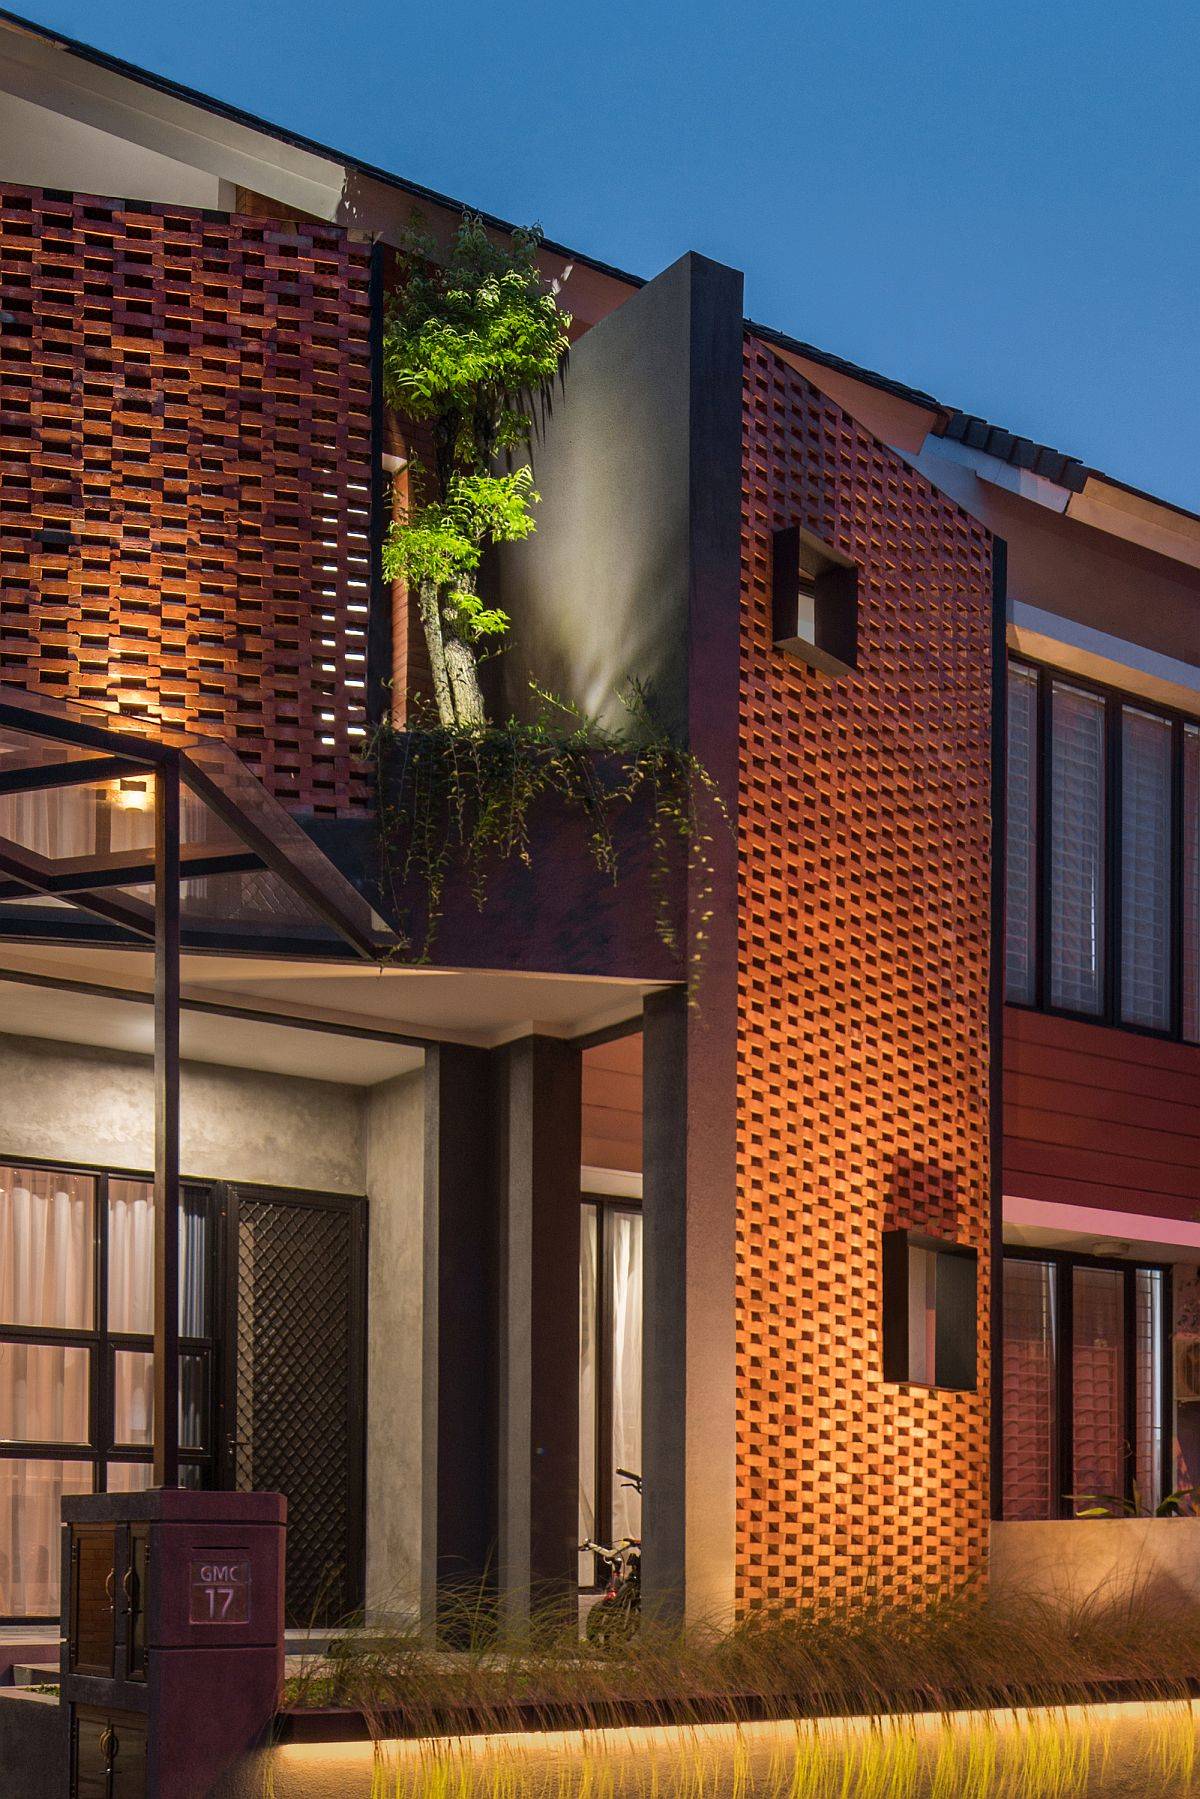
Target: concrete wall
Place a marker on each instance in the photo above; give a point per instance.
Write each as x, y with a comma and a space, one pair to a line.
63, 1102
66, 1102
42, 148
395, 1166
1068, 1560
599, 595
33, 1746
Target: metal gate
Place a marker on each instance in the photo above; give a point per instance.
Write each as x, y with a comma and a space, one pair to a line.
294, 1383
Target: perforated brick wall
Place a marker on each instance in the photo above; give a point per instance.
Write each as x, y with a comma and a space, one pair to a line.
863, 1039
185, 453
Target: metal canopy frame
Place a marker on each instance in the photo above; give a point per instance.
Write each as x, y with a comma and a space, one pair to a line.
94, 752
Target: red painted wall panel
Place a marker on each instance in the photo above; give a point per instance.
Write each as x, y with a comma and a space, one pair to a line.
185, 466
1099, 1117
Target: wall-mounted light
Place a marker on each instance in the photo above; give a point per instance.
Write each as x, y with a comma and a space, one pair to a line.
132, 794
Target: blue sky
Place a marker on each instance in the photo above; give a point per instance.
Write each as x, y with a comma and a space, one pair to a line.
997, 203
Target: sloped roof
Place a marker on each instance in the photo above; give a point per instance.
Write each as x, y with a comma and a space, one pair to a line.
949, 422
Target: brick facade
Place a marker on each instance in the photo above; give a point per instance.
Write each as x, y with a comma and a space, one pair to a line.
863, 1027
185, 468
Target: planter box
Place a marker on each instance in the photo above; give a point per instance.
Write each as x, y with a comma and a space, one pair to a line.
1068, 1560
560, 914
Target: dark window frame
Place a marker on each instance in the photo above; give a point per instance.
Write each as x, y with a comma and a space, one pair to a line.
605, 1205
1064, 1262
212, 1462
1115, 700
102, 1344
963, 1358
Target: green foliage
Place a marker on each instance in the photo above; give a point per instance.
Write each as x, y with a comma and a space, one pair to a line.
471, 341
442, 543
959, 1698
1182, 1503
449, 795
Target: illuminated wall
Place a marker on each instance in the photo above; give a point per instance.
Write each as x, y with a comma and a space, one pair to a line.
863, 1027
186, 460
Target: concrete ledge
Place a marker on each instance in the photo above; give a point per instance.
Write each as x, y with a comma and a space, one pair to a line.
1065, 1561
33, 1745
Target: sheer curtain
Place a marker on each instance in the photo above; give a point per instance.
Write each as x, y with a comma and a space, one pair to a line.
625, 1285
30, 1504
588, 1370
46, 1225
46, 1276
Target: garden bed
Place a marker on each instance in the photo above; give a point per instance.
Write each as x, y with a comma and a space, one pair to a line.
960, 1655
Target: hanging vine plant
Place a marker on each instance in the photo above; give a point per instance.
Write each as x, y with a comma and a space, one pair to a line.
472, 344
457, 796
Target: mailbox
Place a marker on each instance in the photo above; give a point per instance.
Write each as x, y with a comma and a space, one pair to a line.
91, 1630
172, 1610
108, 1754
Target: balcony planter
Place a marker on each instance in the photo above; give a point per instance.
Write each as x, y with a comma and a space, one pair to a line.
589, 873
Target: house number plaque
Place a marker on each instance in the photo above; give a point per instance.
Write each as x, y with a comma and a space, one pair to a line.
219, 1586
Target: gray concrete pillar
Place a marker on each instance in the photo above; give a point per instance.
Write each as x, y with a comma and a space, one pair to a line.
459, 1390
688, 1340
540, 1121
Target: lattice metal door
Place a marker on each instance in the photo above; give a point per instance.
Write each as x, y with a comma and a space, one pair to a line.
294, 1384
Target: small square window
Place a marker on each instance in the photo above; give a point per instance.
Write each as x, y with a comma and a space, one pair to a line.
929, 1311
814, 602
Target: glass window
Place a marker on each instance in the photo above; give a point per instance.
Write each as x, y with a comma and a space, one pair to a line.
1030, 1474
129, 1477
131, 1259
54, 1225
1191, 883
47, 1248
1148, 1378
610, 1374
193, 1402
1020, 911
922, 1316
133, 1397
588, 1385
625, 1304
30, 1504
930, 1312
1145, 869
1094, 1429
1094, 813
44, 1393
1098, 1382
1077, 849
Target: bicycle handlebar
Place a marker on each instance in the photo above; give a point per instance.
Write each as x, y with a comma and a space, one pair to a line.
600, 1549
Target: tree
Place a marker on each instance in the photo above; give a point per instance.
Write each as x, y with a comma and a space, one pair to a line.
470, 343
